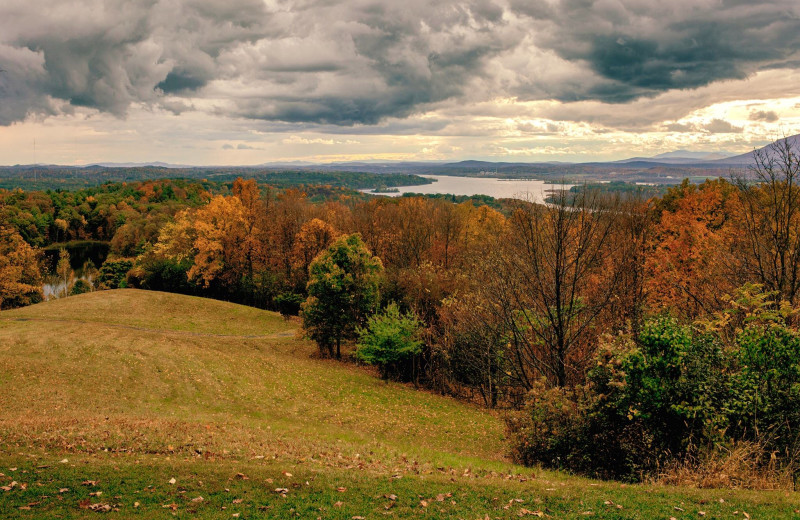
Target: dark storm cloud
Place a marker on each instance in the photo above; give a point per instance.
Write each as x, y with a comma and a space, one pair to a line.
640, 49
328, 62
109, 54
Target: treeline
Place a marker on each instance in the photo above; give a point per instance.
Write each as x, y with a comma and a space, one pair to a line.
129, 214
47, 177
632, 334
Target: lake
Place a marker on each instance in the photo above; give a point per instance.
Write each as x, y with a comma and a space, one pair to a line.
85, 257
533, 190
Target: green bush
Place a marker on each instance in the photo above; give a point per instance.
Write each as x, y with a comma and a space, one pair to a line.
288, 303
158, 274
80, 286
765, 406
113, 274
391, 342
673, 392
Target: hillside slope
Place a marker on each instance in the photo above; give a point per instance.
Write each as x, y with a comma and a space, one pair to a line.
123, 391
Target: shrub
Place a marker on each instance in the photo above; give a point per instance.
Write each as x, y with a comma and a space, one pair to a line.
158, 274
766, 405
678, 395
391, 342
550, 429
288, 303
113, 274
80, 286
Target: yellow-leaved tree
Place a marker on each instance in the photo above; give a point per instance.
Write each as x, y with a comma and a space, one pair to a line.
20, 271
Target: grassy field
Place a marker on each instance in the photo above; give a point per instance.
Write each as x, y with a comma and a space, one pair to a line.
172, 405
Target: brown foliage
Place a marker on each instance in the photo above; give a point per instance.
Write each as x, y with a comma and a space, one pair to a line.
689, 268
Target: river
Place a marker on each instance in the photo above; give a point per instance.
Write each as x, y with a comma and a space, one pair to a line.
524, 189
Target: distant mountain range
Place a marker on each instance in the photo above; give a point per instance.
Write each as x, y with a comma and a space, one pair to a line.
681, 157
663, 168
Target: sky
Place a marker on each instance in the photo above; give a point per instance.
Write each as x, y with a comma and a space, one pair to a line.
246, 82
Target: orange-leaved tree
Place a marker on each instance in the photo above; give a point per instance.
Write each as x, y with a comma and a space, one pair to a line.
20, 271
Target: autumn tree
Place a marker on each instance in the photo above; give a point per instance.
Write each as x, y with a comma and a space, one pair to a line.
20, 271
253, 215
690, 267
64, 271
342, 291
313, 238
287, 217
218, 239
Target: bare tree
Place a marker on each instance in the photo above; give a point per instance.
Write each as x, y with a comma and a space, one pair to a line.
551, 280
770, 218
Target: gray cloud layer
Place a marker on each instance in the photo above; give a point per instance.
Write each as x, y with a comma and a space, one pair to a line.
359, 62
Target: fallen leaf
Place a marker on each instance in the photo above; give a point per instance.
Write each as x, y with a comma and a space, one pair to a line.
338, 504
172, 480
197, 499
341, 489
391, 497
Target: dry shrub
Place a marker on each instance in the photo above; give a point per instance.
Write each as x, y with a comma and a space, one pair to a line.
745, 465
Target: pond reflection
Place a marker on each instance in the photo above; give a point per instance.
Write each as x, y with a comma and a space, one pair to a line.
85, 258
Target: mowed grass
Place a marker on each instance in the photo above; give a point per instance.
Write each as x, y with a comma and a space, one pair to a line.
126, 390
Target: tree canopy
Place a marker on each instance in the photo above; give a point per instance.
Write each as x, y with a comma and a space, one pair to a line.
343, 289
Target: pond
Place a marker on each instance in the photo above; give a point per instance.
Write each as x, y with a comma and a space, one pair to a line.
85, 258
524, 189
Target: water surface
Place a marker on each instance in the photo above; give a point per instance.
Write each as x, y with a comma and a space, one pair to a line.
84, 258
525, 189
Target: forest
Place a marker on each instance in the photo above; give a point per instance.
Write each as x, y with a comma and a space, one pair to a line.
624, 335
